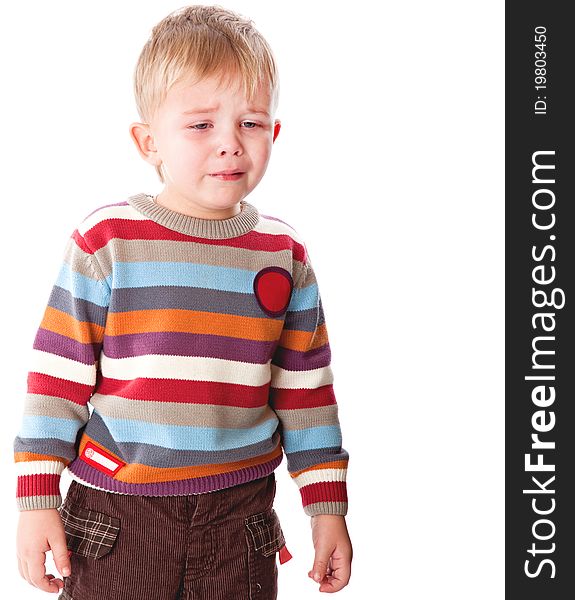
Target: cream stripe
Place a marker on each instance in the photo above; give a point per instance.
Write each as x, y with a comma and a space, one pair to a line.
196, 368
63, 368
110, 212
272, 227
40, 467
289, 380
318, 475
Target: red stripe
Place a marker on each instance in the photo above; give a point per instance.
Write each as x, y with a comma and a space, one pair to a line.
99, 235
302, 398
39, 383
38, 485
324, 491
186, 391
80, 242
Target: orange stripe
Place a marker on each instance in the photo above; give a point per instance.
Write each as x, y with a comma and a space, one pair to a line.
31, 456
303, 340
338, 464
139, 473
61, 322
192, 321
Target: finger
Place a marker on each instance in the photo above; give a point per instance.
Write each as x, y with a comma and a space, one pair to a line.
25, 571
329, 571
20, 568
337, 580
321, 563
54, 580
60, 554
37, 572
330, 585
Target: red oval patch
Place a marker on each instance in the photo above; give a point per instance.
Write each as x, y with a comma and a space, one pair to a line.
273, 287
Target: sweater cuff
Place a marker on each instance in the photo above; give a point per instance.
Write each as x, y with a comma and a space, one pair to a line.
325, 498
39, 490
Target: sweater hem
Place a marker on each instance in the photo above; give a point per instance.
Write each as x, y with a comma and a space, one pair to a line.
84, 474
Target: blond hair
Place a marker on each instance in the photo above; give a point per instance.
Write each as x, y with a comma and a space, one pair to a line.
203, 41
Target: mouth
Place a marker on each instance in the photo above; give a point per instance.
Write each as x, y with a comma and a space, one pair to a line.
229, 175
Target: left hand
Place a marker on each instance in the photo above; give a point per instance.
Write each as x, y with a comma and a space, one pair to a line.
333, 552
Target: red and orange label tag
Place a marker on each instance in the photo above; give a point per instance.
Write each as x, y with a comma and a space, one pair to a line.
100, 459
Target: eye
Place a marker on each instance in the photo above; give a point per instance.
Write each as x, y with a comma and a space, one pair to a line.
198, 126
204, 126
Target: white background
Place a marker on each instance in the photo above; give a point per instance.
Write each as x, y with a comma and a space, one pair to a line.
390, 165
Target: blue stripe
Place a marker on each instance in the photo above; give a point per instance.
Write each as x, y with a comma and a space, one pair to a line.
35, 426
81, 286
312, 438
227, 279
144, 274
185, 437
304, 298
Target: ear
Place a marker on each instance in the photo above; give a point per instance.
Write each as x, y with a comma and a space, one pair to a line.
143, 138
277, 127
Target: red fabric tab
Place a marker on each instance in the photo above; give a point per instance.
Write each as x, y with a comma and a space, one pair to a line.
284, 555
100, 459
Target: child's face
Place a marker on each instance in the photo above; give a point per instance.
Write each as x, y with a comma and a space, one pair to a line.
194, 144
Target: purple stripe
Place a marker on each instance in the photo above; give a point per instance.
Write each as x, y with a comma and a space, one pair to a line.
124, 203
275, 219
61, 345
198, 485
293, 360
187, 344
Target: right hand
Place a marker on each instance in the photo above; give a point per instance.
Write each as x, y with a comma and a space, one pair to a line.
40, 530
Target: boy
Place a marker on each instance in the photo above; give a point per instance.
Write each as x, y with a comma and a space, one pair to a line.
194, 327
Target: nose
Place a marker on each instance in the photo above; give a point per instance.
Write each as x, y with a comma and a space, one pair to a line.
232, 149
230, 144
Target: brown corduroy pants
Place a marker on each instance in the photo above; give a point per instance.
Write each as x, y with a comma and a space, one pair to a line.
220, 545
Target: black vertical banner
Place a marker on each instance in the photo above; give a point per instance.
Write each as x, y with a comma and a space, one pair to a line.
540, 301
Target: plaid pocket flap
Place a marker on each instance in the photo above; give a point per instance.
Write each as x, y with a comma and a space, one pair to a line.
266, 532
88, 532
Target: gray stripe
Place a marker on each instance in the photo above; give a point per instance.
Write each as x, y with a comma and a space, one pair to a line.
326, 508
38, 502
80, 309
54, 406
193, 252
48, 446
302, 418
298, 461
186, 298
181, 413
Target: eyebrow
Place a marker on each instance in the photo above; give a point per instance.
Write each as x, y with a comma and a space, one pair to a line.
199, 110
214, 109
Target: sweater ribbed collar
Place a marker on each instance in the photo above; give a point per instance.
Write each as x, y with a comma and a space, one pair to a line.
213, 229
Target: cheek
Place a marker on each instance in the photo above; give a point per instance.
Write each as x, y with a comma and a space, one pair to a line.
186, 153
261, 152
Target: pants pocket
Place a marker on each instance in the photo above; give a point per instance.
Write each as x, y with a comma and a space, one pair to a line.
89, 533
264, 537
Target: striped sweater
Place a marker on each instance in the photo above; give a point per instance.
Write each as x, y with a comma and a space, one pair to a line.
180, 355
